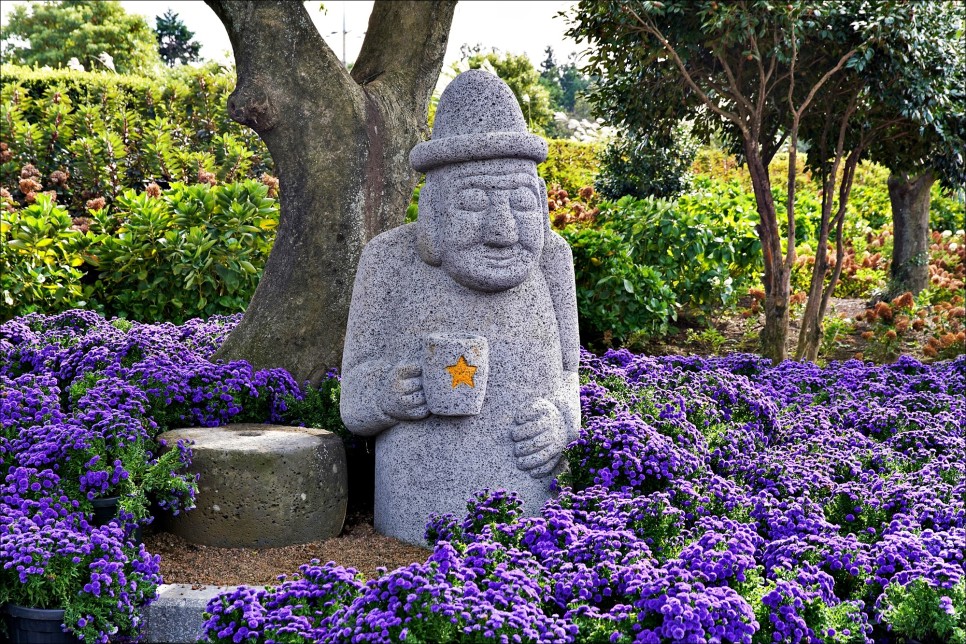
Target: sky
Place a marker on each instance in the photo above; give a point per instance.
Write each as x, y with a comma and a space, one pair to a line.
519, 27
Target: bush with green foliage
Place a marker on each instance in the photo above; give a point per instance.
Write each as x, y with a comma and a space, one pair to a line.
646, 260
570, 164
41, 259
190, 251
647, 165
197, 252
616, 296
86, 135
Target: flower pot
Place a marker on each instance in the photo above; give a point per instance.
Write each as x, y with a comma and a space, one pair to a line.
37, 626
105, 509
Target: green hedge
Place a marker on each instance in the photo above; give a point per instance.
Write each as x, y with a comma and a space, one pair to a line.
87, 135
646, 260
570, 164
190, 251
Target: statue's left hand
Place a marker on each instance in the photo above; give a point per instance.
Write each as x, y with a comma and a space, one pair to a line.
539, 437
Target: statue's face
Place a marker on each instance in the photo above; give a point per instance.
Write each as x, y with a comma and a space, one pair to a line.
493, 230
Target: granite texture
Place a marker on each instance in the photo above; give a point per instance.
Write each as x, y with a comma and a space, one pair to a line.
263, 486
177, 615
482, 120
455, 369
481, 260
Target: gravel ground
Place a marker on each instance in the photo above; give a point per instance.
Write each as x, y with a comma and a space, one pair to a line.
359, 547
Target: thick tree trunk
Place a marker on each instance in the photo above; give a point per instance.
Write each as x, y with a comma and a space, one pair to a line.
777, 277
910, 228
340, 143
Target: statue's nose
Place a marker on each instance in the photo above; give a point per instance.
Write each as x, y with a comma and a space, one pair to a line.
499, 224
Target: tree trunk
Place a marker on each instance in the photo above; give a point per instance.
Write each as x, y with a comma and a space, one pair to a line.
341, 146
819, 294
910, 228
777, 277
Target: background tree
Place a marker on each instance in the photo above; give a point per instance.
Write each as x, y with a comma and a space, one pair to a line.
902, 98
566, 84
175, 42
754, 72
53, 33
341, 143
518, 72
926, 145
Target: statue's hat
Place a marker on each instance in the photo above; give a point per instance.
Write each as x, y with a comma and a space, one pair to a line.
477, 118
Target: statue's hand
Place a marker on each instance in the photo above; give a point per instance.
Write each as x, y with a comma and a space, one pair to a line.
539, 437
403, 397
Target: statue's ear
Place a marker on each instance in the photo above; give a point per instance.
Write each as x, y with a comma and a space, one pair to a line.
428, 223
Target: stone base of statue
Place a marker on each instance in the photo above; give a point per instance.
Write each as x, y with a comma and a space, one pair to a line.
263, 486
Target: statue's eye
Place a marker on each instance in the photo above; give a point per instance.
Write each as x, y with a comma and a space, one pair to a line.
523, 199
472, 199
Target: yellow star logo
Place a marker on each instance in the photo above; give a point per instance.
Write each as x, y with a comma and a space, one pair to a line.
462, 373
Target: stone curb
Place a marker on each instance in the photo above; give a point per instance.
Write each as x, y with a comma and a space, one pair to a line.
176, 616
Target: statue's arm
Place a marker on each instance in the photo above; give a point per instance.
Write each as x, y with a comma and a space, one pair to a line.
557, 264
364, 370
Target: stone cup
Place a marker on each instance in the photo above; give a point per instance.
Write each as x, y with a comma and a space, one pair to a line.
455, 367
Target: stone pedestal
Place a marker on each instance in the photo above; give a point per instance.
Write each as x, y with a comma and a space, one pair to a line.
263, 486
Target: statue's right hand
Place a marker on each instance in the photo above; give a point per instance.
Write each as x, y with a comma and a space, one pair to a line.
403, 397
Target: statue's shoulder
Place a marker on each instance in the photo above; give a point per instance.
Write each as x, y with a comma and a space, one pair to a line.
556, 250
390, 249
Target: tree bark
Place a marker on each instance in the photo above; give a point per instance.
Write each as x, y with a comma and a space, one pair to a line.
777, 277
812, 331
341, 146
910, 228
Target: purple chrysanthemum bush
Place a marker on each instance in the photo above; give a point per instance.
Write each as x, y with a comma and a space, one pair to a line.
82, 401
707, 500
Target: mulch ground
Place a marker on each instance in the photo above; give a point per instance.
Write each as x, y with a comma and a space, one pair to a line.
359, 546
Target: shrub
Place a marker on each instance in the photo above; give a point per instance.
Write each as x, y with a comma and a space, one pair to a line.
41, 253
152, 255
647, 259
92, 135
616, 295
570, 164
647, 165
198, 251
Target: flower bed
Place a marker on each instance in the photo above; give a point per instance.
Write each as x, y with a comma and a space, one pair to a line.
709, 500
81, 402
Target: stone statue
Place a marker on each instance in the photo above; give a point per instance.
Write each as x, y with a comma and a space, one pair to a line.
462, 345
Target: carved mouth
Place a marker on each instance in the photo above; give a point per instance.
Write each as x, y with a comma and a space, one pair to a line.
495, 254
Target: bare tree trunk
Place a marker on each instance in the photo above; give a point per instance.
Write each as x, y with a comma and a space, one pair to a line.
340, 143
777, 277
910, 228
819, 293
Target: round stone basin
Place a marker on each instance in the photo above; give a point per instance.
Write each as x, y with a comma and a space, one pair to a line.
263, 486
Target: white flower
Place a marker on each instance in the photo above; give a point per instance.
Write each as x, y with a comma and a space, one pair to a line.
107, 60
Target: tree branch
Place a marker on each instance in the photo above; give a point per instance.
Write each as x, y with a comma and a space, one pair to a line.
838, 66
742, 100
650, 28
277, 36
402, 32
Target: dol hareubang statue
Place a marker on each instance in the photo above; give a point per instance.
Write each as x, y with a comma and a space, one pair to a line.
462, 346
